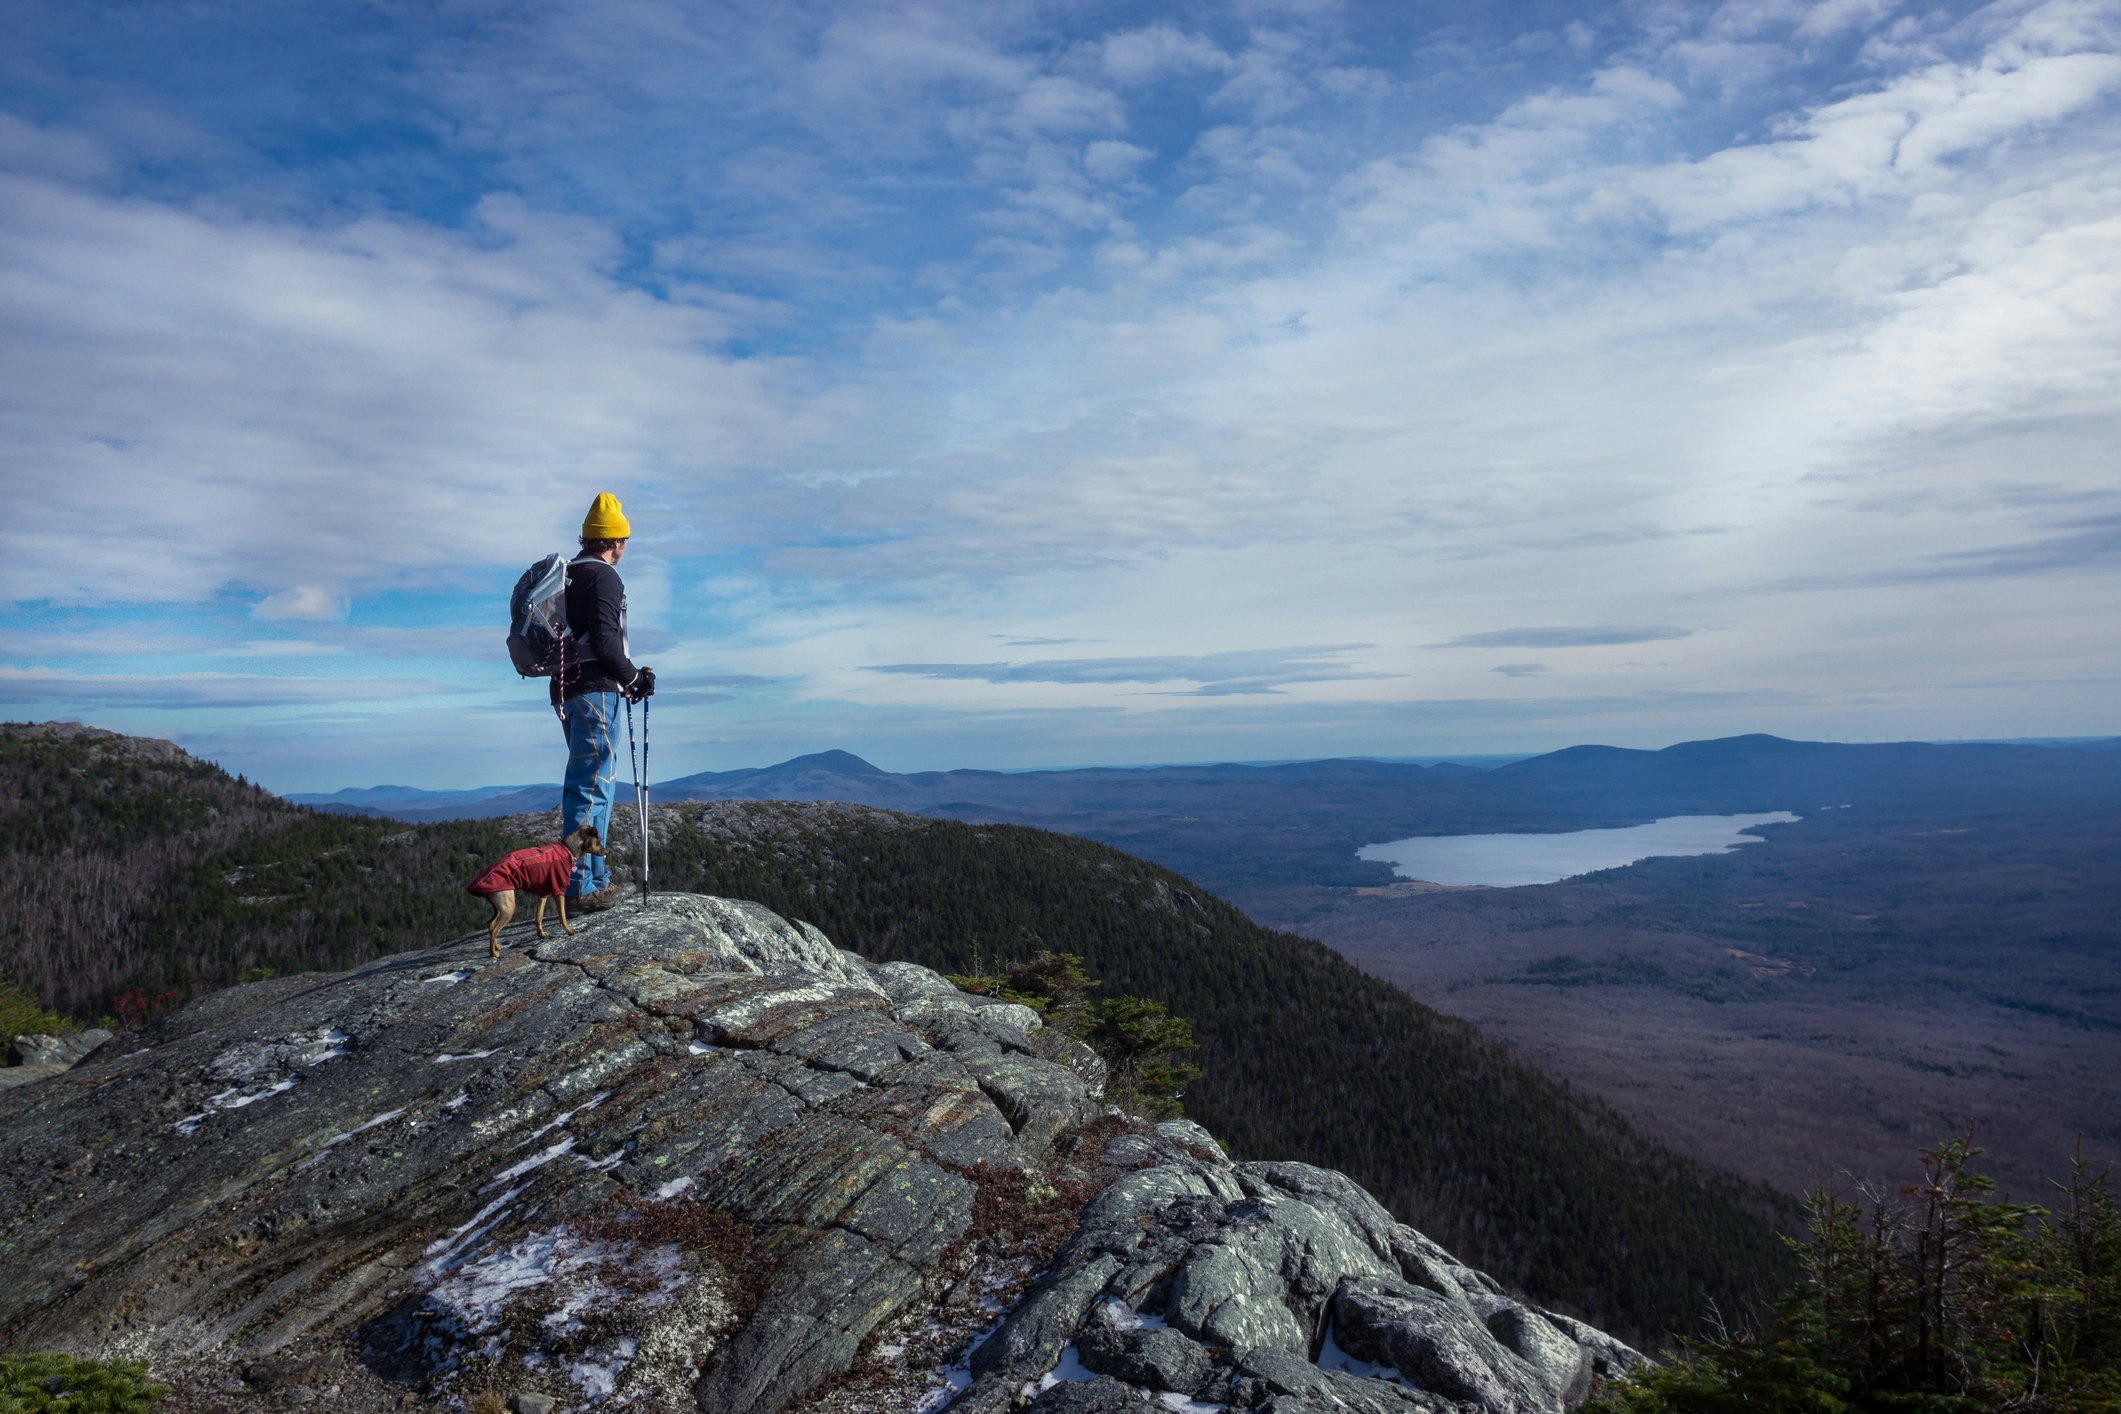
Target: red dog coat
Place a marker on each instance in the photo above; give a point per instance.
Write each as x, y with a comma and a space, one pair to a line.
542, 869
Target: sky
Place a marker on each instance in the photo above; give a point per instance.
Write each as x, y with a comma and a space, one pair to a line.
1012, 384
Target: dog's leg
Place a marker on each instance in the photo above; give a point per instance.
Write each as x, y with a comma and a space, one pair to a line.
543, 899
568, 928
504, 908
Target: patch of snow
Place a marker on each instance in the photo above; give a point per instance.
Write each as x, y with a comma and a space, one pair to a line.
1332, 1357
233, 1100
251, 1061
480, 1291
535, 1161
957, 1378
673, 1188
604, 1165
955, 1383
1070, 1370
189, 1124
459, 1102
1187, 1404
337, 1139
598, 1378
572, 1274
596, 1381
449, 979
445, 1058
698, 1049
442, 1249
561, 1119
1118, 1315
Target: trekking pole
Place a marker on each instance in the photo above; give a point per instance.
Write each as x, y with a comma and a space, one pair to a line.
640, 816
646, 703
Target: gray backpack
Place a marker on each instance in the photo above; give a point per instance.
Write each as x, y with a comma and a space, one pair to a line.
537, 619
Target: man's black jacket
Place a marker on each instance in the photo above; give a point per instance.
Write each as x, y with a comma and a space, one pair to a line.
597, 659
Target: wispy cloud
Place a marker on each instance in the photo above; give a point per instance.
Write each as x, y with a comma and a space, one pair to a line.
302, 601
2086, 545
63, 691
1236, 673
1595, 636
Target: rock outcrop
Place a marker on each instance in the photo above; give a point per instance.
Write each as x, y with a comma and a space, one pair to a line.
696, 1156
1277, 1285
40, 1057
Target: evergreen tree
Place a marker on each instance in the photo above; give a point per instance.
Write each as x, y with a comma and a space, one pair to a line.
1938, 1298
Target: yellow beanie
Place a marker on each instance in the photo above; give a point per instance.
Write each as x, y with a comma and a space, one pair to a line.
606, 520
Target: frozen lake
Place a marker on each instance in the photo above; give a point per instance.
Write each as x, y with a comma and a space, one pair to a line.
1505, 861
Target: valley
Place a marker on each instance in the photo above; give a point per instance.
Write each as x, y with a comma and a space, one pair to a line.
1806, 1010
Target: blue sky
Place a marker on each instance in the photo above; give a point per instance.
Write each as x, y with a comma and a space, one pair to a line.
1009, 384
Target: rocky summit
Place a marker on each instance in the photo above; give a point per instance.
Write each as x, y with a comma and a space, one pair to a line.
698, 1157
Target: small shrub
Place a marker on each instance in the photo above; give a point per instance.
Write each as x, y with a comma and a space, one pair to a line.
1022, 1214
64, 1384
20, 1015
136, 1008
1141, 1042
695, 1226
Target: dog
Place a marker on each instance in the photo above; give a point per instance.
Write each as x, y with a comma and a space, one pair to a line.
543, 870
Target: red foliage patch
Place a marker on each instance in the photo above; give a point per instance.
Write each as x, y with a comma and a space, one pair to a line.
136, 1008
696, 1227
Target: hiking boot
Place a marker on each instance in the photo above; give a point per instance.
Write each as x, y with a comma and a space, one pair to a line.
594, 903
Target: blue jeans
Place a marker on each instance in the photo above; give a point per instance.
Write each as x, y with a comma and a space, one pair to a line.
592, 780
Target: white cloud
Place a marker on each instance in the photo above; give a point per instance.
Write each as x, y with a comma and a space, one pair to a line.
1832, 17
272, 404
302, 601
1141, 56
1109, 160
1892, 142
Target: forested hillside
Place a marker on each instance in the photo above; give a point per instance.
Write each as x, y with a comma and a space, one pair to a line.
136, 869
161, 875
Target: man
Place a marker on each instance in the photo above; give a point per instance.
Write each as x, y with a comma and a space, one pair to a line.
597, 671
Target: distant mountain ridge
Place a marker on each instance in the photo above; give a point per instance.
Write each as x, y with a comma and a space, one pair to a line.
382, 800
1241, 827
1753, 762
